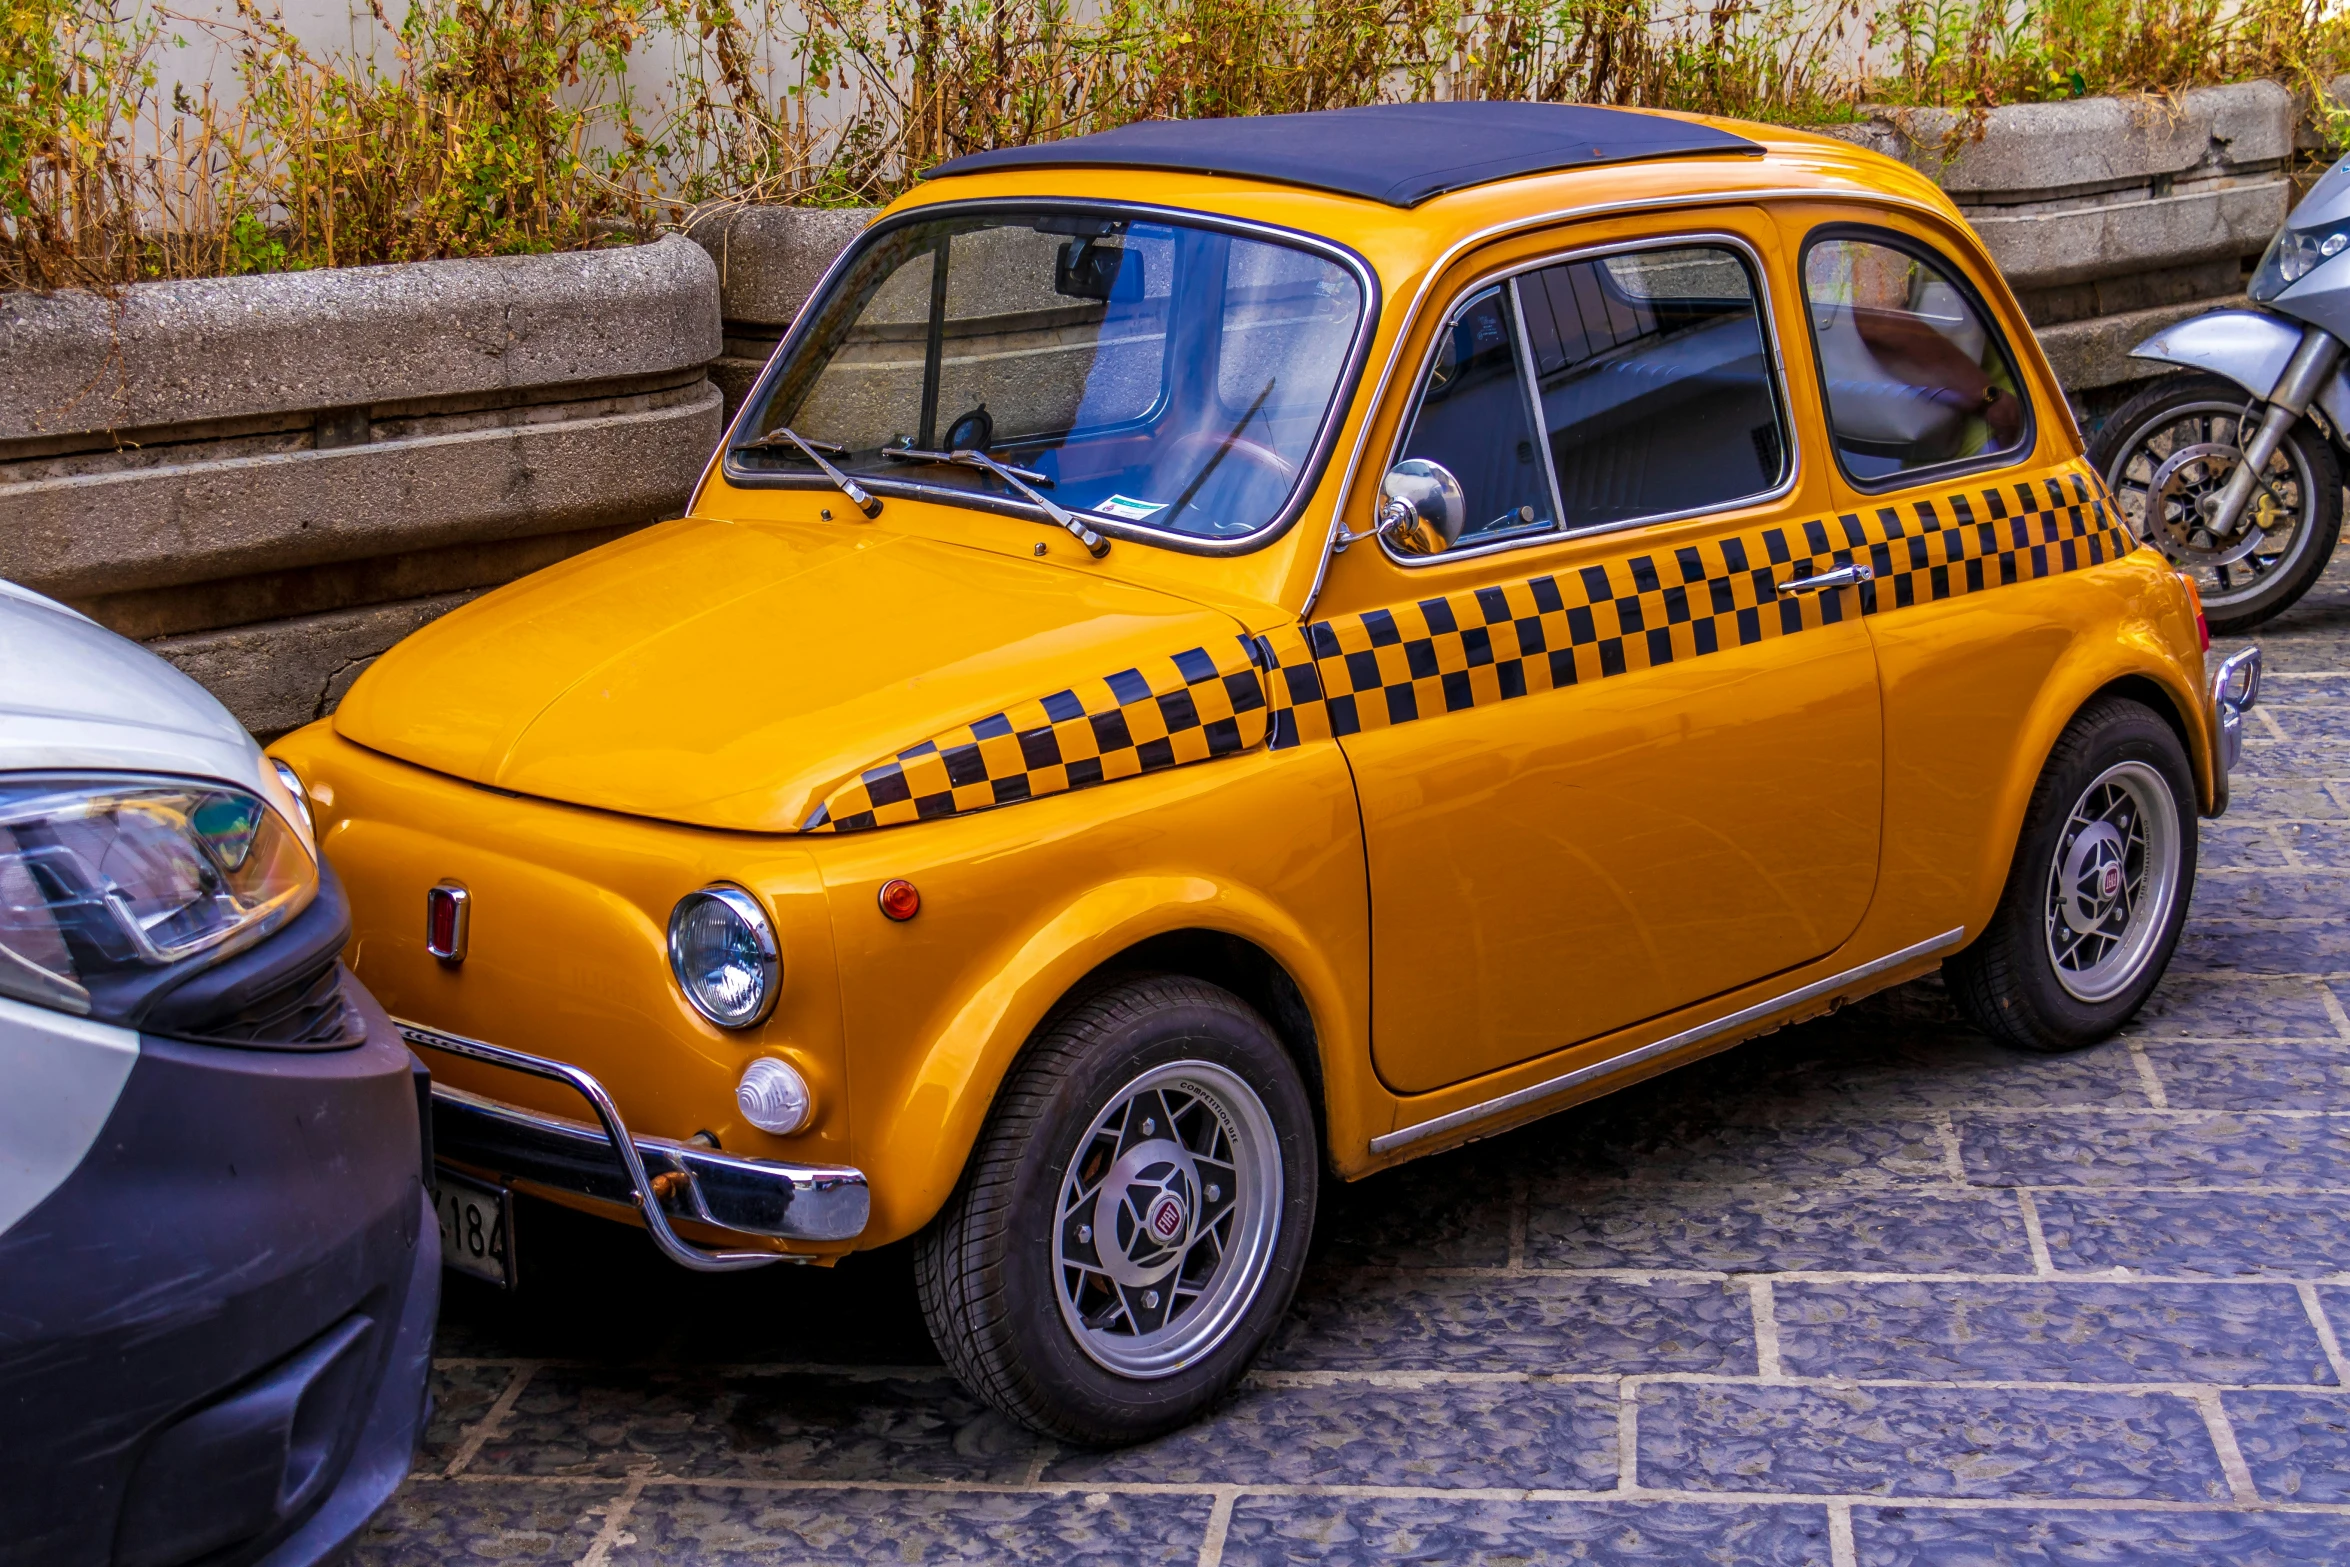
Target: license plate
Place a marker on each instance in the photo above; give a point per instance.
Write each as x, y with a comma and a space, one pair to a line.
477, 1229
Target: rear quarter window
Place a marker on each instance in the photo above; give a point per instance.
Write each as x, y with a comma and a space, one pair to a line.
1916, 377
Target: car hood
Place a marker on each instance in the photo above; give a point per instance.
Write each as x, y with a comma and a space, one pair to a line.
77, 696
732, 675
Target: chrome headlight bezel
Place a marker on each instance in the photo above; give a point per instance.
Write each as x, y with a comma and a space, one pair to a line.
761, 955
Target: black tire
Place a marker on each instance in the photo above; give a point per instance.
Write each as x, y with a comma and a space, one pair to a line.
991, 1288
2235, 598
2009, 983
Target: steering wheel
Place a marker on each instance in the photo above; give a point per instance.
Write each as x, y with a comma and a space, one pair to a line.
1189, 456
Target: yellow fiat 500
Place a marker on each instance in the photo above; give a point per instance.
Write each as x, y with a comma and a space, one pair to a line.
1224, 655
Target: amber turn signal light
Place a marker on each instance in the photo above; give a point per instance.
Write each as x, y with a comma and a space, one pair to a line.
899, 900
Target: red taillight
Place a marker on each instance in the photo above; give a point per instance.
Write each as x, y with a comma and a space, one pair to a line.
444, 922
2195, 597
899, 900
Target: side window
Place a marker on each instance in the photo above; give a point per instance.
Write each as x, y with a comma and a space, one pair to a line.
1915, 375
1655, 383
1474, 420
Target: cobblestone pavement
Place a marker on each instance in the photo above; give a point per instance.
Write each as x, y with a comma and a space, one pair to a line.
1870, 1290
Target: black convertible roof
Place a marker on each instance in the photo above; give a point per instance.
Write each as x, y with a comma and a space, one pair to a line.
1398, 153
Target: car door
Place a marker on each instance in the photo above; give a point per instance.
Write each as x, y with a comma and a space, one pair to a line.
1953, 459
1613, 756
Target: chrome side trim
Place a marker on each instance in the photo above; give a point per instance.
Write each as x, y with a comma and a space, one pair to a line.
1390, 1141
2231, 699
750, 1196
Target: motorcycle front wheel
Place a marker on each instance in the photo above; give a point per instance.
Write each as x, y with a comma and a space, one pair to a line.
2167, 454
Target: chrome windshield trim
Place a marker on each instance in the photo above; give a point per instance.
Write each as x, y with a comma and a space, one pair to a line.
1310, 472
762, 1197
1745, 1017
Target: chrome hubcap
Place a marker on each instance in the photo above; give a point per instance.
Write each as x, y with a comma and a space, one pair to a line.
2112, 881
1167, 1219
1145, 1215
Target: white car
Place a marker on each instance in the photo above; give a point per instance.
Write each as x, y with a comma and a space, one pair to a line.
219, 1266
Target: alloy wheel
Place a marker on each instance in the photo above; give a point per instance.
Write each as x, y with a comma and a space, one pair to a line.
1167, 1219
2111, 881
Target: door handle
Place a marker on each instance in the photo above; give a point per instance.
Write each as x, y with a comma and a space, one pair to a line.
1851, 576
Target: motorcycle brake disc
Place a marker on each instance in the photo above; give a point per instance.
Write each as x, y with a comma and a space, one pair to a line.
2179, 501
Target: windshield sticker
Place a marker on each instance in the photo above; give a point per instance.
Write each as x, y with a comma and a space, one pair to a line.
1127, 509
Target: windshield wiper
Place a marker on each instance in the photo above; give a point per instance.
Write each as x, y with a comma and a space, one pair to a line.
1016, 478
784, 438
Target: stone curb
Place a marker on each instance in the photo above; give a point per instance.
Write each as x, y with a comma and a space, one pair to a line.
218, 349
2052, 149
222, 434
282, 674
203, 520
768, 259
2093, 354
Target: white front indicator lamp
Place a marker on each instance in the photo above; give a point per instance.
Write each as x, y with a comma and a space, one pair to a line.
774, 1097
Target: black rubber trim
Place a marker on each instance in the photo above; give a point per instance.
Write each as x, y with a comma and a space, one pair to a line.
205, 999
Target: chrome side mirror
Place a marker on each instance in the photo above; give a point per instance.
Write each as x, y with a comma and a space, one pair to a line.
1422, 508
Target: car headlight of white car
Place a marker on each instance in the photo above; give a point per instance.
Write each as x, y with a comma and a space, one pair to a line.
108, 883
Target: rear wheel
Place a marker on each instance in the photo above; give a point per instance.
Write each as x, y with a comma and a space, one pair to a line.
1132, 1226
2167, 454
2098, 892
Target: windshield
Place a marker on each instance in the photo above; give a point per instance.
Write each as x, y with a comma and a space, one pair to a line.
1160, 375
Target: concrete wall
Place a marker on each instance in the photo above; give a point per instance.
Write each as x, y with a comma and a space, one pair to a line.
769, 261
2112, 217
272, 479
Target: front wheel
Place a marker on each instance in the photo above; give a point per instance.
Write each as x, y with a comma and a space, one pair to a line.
1134, 1219
2098, 892
2167, 454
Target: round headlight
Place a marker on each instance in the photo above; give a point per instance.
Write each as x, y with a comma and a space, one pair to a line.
722, 950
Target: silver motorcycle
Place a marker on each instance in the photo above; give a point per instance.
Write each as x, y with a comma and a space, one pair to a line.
2234, 468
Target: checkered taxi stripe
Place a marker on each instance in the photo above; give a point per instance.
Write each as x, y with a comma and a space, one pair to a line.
1398, 665
1407, 662
1161, 713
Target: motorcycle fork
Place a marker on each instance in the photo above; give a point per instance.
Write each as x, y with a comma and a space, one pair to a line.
2304, 374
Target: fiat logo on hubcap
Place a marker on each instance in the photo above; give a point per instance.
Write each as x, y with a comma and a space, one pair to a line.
1143, 1216
2111, 882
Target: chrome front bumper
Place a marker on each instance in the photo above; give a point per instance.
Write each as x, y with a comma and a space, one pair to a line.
663, 1179
2235, 691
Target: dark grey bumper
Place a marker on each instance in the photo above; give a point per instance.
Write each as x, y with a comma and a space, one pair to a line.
215, 1334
